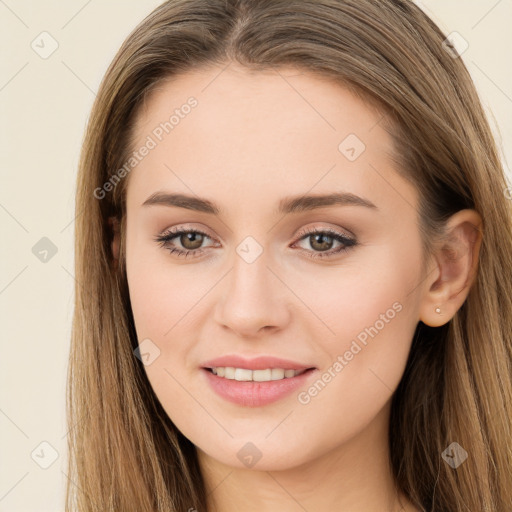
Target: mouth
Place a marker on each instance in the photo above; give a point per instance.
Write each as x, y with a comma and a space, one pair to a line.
256, 388
261, 375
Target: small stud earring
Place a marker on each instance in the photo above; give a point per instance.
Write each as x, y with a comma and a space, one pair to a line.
438, 310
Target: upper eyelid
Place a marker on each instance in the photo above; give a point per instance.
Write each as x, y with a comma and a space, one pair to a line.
334, 231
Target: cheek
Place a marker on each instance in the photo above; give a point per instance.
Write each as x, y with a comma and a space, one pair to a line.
365, 317
161, 298
362, 298
161, 291
166, 298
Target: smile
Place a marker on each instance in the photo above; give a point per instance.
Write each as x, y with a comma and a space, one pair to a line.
241, 386
243, 374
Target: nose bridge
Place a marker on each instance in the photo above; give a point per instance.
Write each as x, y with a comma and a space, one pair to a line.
252, 297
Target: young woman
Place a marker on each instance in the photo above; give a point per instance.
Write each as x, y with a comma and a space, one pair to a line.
293, 258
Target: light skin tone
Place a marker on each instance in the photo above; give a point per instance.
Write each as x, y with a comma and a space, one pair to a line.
252, 141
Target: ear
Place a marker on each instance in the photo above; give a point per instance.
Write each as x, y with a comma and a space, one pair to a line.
113, 222
456, 263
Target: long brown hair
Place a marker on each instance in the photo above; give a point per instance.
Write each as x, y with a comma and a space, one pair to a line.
124, 452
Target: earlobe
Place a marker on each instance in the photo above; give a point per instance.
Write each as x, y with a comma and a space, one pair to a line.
457, 262
115, 239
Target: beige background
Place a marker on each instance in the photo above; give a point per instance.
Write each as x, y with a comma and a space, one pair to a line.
45, 104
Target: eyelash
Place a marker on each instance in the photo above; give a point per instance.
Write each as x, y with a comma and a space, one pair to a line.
166, 237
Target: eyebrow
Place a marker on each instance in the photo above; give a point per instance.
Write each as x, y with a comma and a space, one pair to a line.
295, 204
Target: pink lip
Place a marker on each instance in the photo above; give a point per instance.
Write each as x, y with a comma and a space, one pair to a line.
257, 363
250, 393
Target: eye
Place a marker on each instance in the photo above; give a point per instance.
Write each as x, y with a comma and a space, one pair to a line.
190, 240
323, 239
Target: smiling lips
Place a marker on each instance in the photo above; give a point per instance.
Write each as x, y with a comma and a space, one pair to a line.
243, 374
254, 382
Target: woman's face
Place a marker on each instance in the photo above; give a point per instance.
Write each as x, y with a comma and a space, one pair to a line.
253, 154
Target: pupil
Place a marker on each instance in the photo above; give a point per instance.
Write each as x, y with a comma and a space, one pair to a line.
194, 238
322, 241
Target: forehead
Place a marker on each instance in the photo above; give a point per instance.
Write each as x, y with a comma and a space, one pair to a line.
259, 102
284, 131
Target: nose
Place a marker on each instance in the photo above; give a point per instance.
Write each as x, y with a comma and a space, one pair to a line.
254, 301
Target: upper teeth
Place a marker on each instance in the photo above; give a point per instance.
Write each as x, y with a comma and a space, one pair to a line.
242, 374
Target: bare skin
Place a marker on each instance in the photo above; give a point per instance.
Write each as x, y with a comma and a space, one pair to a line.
252, 140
